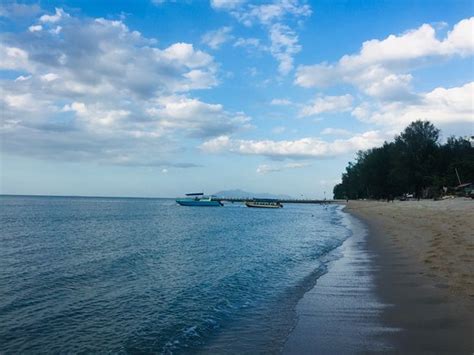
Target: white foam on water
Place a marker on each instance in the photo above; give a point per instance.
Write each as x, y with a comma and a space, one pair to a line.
342, 314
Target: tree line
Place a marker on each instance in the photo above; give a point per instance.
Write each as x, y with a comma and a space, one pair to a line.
415, 162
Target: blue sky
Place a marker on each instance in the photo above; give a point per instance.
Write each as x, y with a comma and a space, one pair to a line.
159, 98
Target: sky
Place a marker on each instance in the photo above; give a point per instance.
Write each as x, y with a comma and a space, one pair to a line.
156, 98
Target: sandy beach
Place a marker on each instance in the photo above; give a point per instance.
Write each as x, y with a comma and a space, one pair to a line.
404, 283
425, 270
438, 234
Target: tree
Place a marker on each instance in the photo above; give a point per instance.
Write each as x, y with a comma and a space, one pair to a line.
414, 162
416, 152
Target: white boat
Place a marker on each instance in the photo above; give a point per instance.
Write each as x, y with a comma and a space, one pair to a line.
263, 204
198, 199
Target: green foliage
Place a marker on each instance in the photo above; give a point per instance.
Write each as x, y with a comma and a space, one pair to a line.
414, 163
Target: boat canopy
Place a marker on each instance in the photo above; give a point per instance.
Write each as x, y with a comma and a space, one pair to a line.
195, 194
265, 200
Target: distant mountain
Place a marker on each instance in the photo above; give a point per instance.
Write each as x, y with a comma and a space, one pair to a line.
237, 193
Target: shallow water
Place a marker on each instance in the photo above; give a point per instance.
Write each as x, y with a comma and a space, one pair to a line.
147, 275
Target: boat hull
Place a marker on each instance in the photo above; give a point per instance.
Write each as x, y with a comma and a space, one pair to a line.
197, 203
262, 205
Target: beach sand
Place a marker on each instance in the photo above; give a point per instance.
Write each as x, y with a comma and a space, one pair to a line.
405, 284
425, 271
439, 234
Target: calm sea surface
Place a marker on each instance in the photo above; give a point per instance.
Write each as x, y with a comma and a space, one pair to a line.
147, 275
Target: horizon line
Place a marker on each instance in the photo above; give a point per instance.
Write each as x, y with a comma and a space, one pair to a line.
82, 196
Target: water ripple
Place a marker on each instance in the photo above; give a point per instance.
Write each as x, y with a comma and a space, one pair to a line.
138, 275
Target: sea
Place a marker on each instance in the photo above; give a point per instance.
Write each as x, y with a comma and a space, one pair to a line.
132, 275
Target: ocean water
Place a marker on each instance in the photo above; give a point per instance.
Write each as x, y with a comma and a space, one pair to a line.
146, 275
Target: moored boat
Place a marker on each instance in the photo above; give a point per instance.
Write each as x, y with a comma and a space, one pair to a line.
198, 199
263, 204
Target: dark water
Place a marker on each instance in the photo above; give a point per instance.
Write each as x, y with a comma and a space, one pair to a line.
146, 275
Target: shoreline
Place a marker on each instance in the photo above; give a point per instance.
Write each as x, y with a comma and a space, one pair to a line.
424, 258
342, 312
415, 283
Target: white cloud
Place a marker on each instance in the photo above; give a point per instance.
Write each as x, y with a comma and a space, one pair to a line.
226, 4
49, 77
280, 102
362, 111
95, 116
328, 104
59, 14
24, 107
336, 132
198, 79
272, 12
215, 39
414, 44
380, 68
440, 106
247, 42
273, 17
100, 56
297, 149
195, 117
317, 75
390, 87
24, 102
374, 80
460, 40
284, 45
35, 28
103, 92
12, 57
184, 54
56, 30
264, 169
23, 78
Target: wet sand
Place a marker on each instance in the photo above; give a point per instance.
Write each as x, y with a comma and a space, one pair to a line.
405, 286
342, 313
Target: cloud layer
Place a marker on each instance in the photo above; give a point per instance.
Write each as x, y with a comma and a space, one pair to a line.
112, 93
380, 68
328, 104
275, 18
441, 106
295, 149
81, 88
216, 38
264, 169
382, 73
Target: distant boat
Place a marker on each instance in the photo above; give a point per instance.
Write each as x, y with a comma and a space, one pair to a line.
198, 199
263, 204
